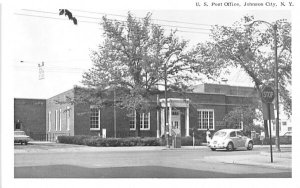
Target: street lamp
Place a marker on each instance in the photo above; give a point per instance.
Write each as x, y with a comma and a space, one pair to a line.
166, 108
274, 27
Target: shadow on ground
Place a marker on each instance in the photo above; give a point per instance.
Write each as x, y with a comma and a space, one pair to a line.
70, 171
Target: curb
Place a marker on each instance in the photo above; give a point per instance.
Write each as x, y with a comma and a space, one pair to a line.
267, 165
255, 160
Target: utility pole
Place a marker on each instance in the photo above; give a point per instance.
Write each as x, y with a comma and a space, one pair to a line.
166, 108
277, 91
115, 120
274, 28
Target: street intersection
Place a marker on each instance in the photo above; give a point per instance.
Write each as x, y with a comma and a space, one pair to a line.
71, 161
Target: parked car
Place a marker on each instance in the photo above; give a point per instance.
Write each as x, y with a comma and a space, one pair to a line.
286, 138
230, 139
21, 137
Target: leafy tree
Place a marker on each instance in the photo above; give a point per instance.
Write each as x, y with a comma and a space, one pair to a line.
242, 114
132, 60
252, 50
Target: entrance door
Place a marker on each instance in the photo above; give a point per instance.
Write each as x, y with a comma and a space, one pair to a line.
175, 122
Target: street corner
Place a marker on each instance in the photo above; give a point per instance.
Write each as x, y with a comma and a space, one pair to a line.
281, 160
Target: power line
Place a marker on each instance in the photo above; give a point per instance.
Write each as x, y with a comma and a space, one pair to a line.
47, 69
47, 17
47, 12
29, 15
88, 17
172, 21
55, 67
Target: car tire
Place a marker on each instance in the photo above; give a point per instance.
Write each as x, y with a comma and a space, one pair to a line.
213, 149
250, 146
230, 146
26, 143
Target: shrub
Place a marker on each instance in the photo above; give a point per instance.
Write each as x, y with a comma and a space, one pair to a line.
109, 142
185, 141
188, 141
257, 141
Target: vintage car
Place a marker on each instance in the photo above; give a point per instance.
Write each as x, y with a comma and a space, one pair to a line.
21, 137
230, 139
286, 138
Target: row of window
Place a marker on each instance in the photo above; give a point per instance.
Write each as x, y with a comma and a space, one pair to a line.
144, 121
205, 120
58, 120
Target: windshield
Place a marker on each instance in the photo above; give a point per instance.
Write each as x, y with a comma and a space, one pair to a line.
19, 133
220, 134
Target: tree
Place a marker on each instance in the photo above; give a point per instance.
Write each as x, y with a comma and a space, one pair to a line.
242, 115
131, 61
252, 50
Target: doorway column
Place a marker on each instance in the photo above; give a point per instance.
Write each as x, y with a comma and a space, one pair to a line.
170, 119
187, 122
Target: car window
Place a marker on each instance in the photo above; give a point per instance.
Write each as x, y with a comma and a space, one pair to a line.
220, 134
288, 134
19, 133
239, 133
233, 134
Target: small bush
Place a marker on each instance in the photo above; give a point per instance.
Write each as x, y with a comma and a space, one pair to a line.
188, 141
257, 141
109, 142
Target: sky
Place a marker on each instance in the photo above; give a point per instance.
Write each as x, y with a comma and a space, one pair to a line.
42, 35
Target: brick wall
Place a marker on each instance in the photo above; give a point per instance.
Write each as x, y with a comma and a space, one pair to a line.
32, 115
82, 122
58, 104
80, 114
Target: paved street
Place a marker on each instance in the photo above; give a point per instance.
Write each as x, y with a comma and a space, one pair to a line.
71, 161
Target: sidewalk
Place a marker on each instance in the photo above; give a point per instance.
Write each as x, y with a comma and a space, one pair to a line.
281, 160
52, 147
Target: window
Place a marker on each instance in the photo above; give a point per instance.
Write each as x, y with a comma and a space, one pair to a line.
95, 119
145, 121
217, 90
289, 128
206, 119
49, 121
68, 118
132, 123
240, 125
239, 133
56, 120
284, 123
175, 112
59, 119
233, 134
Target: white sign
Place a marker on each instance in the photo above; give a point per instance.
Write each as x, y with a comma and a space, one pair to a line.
103, 133
175, 132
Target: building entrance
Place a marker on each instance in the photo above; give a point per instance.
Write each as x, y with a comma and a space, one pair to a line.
175, 121
177, 110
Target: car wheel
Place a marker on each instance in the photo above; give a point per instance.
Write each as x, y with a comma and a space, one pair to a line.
213, 149
21, 143
250, 146
26, 143
230, 146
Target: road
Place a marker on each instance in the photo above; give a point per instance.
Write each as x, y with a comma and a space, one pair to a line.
197, 163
